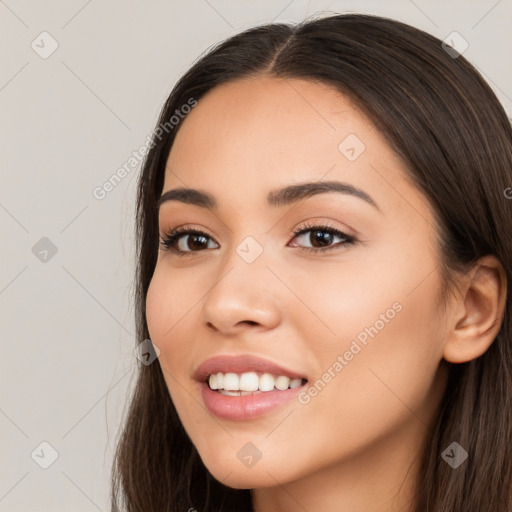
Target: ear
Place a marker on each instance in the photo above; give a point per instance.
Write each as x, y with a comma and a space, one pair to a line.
478, 314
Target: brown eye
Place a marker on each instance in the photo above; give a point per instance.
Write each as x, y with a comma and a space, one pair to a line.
183, 241
322, 238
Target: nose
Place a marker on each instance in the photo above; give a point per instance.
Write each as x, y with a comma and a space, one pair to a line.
244, 296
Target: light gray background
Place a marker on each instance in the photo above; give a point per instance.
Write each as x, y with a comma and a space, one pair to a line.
68, 122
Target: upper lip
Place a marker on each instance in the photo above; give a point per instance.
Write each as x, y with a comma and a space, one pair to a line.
241, 364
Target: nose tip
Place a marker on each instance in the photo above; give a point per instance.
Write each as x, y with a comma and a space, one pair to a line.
231, 310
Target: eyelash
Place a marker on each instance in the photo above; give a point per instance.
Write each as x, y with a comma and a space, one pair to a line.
169, 240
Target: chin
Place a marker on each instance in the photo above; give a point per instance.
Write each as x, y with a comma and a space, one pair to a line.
238, 476
244, 479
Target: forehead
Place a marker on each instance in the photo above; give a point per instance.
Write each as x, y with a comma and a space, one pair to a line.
253, 135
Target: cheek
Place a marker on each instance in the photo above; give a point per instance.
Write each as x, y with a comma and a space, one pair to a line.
167, 307
390, 346
156, 303
373, 331
164, 308
172, 308
169, 300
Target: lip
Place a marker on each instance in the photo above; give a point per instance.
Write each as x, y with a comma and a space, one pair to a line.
241, 364
247, 407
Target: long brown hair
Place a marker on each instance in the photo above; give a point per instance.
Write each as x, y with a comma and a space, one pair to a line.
445, 123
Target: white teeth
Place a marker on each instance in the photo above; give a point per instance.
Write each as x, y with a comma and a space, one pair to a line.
282, 382
295, 383
266, 382
248, 382
232, 382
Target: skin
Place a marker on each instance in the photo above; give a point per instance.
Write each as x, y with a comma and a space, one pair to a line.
357, 444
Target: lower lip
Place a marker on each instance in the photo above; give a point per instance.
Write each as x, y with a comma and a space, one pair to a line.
245, 407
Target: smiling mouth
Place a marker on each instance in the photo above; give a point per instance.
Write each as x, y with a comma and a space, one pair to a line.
248, 383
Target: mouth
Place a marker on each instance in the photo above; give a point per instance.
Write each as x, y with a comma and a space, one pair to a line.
247, 405
251, 383
245, 387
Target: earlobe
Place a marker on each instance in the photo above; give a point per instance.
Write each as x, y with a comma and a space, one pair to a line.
480, 312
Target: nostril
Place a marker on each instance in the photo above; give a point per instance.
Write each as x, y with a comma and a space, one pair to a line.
250, 322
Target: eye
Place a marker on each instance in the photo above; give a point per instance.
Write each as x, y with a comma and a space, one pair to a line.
321, 237
185, 240
178, 242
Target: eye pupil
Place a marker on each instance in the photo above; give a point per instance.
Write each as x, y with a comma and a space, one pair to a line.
323, 237
200, 245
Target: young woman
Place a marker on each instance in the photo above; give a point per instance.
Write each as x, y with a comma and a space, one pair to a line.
325, 262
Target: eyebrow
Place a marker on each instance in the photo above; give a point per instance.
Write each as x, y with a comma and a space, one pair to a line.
281, 197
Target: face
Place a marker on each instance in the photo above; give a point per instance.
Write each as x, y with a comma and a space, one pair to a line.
338, 287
